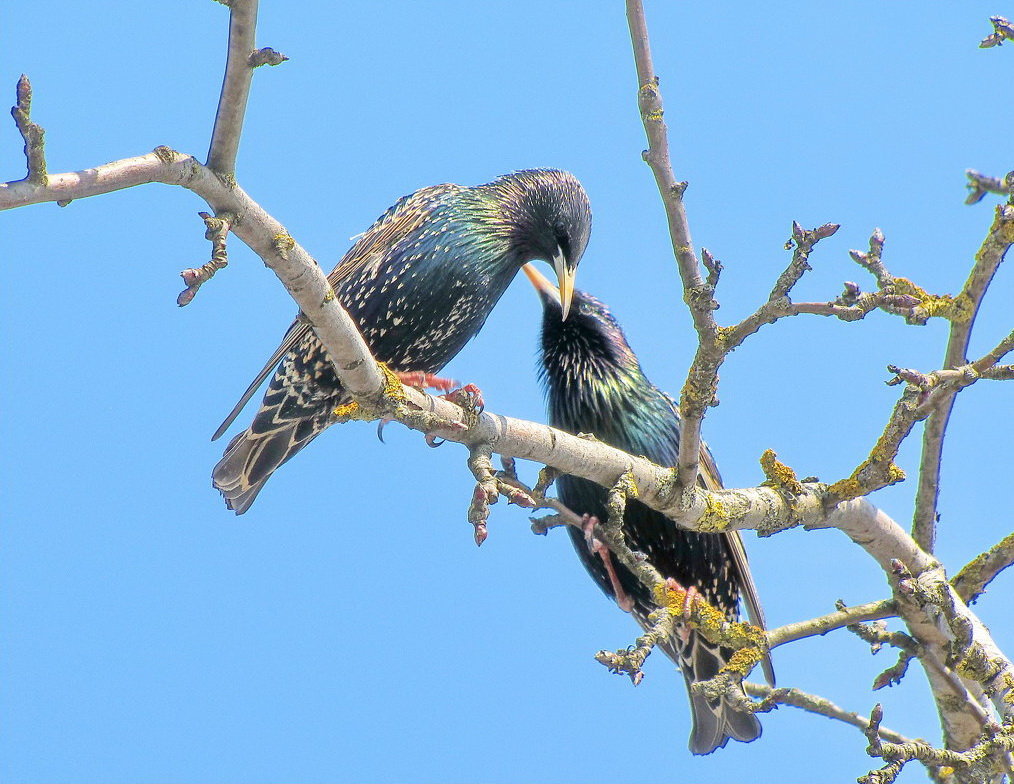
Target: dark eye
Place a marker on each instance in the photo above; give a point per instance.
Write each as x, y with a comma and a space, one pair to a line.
563, 240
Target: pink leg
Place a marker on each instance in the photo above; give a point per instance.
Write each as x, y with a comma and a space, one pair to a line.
690, 596
417, 378
594, 545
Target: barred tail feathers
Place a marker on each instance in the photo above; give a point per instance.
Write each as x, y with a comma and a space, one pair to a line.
253, 455
714, 721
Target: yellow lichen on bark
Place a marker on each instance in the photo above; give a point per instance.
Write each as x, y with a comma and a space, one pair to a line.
390, 394
748, 642
779, 475
716, 516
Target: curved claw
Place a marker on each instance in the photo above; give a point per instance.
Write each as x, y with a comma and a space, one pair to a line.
433, 442
468, 397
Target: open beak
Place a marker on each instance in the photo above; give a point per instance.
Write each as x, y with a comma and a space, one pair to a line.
542, 284
565, 277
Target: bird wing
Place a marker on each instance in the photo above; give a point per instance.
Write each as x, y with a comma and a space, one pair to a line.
372, 247
712, 481
296, 332
403, 219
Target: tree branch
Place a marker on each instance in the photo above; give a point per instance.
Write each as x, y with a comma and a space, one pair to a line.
698, 295
818, 705
766, 509
986, 761
981, 184
971, 581
235, 88
828, 623
217, 231
1002, 31
33, 134
992, 251
934, 612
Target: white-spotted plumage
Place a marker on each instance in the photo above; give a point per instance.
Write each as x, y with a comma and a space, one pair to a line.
595, 385
419, 283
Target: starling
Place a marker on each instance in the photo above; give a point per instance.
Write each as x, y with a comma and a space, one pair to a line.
594, 384
419, 283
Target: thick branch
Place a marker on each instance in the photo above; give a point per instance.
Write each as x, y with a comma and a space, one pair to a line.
297, 270
766, 509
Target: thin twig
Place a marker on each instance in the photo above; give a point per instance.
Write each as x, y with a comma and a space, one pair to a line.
925, 394
826, 623
489, 486
32, 133
217, 230
699, 391
812, 703
992, 251
981, 184
778, 304
917, 305
971, 581
1002, 31
235, 88
985, 761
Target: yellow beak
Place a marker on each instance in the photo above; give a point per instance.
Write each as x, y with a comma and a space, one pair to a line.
565, 277
541, 283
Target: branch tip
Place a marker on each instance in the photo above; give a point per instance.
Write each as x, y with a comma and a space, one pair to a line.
216, 229
1002, 31
32, 133
266, 56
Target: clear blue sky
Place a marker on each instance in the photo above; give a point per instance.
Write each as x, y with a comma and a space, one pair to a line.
347, 629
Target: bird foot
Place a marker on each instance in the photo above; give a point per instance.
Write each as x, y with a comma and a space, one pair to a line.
588, 523
469, 397
691, 596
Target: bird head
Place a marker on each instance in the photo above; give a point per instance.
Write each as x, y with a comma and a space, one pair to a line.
553, 219
589, 345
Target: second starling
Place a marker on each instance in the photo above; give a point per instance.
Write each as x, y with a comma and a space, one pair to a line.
419, 283
594, 384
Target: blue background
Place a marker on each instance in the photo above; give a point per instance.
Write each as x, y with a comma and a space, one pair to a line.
346, 628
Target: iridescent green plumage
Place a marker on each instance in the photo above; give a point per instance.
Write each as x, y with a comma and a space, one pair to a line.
419, 283
594, 384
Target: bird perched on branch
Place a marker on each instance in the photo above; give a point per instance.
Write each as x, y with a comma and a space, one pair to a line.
594, 384
419, 283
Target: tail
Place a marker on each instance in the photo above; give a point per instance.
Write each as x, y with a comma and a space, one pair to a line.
254, 454
296, 409
715, 721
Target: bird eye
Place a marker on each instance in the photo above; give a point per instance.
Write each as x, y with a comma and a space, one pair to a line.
563, 241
